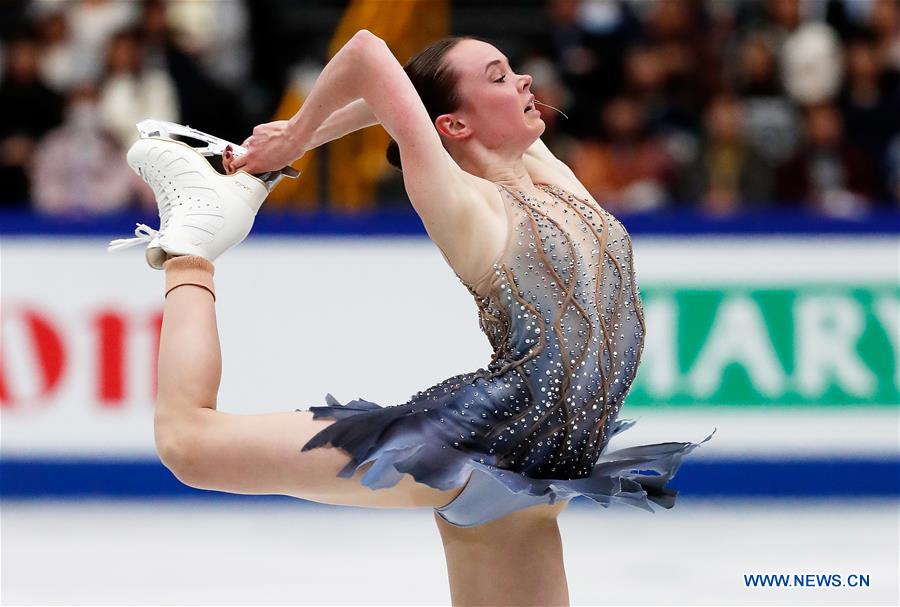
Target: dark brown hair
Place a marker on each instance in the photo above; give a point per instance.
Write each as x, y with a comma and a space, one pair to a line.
435, 82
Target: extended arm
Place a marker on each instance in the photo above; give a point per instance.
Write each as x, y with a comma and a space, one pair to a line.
352, 117
358, 115
541, 163
365, 70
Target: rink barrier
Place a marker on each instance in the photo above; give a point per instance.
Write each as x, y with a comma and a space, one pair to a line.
719, 478
400, 220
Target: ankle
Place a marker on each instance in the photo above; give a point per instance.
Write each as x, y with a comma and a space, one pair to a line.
193, 270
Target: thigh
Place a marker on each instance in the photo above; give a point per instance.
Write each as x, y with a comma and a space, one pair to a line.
261, 454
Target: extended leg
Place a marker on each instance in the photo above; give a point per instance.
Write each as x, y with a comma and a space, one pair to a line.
251, 454
190, 361
202, 215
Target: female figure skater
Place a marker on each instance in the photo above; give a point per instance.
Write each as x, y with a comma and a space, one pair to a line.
497, 453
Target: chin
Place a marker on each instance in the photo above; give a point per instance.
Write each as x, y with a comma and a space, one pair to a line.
532, 133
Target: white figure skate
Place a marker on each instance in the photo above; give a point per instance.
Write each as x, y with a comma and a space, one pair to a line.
201, 211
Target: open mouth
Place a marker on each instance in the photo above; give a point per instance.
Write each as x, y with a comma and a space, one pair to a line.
529, 107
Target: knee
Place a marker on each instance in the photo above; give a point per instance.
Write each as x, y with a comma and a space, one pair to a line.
175, 437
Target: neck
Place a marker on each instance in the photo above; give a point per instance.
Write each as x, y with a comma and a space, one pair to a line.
507, 170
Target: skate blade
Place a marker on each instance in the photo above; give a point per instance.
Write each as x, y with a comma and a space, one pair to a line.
215, 146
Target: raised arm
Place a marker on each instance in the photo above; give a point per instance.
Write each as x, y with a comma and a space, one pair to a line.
352, 117
539, 160
440, 191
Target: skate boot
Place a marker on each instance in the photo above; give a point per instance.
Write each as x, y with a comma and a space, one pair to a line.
201, 211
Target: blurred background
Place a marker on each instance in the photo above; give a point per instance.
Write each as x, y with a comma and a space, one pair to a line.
751, 147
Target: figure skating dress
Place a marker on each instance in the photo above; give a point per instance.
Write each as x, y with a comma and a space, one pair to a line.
563, 314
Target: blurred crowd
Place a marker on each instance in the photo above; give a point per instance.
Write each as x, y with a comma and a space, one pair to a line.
78, 75
726, 105
717, 105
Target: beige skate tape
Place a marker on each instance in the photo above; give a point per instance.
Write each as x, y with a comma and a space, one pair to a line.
189, 270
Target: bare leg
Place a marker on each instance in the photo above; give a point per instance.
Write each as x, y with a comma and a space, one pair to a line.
248, 454
190, 358
515, 560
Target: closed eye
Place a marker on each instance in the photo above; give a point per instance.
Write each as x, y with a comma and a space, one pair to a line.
501, 78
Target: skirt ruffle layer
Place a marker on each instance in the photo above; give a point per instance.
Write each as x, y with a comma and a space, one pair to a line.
400, 439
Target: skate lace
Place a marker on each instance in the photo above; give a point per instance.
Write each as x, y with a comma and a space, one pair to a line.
144, 233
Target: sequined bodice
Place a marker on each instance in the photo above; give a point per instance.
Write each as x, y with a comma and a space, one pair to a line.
561, 308
563, 314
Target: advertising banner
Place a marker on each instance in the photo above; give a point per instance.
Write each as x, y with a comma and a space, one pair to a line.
788, 346
815, 345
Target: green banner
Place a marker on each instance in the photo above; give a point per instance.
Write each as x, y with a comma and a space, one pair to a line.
736, 346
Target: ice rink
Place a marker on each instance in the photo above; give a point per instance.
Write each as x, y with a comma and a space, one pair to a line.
241, 551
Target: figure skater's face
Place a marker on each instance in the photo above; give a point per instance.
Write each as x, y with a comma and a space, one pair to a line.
496, 104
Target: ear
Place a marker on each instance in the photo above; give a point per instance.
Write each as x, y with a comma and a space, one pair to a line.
452, 127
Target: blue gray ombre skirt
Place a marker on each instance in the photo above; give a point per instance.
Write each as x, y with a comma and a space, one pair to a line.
419, 440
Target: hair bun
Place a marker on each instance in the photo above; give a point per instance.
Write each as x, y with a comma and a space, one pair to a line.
393, 154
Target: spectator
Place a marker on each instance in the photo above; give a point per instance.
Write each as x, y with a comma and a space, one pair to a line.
868, 107
202, 102
79, 168
645, 77
703, 102
811, 64
60, 66
628, 169
757, 67
884, 21
648, 77
770, 122
585, 53
132, 92
677, 30
729, 175
93, 23
827, 173
783, 17
29, 109
223, 51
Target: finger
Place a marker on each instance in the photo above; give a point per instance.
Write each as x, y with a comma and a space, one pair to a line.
238, 162
228, 160
247, 141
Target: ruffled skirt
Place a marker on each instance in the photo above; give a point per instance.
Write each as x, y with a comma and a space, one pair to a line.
405, 439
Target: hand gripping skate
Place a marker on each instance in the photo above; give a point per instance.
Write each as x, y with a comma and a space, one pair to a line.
201, 211
215, 146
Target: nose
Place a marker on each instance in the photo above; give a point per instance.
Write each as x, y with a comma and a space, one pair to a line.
526, 80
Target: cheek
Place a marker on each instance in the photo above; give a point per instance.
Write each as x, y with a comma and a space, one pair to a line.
510, 104
500, 109
496, 113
